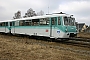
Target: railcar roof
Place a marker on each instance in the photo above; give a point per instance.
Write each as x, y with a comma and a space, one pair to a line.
44, 16
5, 21
37, 17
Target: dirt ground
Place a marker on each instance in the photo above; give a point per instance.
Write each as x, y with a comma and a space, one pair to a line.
17, 50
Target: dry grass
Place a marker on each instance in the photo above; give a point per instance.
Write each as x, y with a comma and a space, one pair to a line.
16, 50
84, 35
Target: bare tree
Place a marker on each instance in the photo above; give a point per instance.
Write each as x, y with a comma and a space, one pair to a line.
40, 13
30, 13
17, 15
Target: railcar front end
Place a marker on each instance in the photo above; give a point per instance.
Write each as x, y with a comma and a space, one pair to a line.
69, 26
65, 27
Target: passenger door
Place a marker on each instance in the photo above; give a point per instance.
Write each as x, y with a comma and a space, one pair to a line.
53, 26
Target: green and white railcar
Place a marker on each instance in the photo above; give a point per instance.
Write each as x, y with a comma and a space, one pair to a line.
53, 26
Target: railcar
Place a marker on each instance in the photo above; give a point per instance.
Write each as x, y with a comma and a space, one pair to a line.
52, 26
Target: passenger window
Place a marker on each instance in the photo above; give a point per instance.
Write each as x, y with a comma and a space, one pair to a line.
2, 24
21, 23
13, 23
44, 21
16, 23
47, 21
27, 22
10, 23
35, 22
53, 21
6, 23
59, 21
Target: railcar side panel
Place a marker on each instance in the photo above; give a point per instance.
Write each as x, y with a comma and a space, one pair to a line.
39, 31
28, 30
4, 30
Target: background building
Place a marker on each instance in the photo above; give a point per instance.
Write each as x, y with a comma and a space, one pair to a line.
81, 27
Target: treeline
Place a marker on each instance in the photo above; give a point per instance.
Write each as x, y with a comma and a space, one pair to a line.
30, 13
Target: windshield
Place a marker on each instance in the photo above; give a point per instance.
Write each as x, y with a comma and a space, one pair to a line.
69, 21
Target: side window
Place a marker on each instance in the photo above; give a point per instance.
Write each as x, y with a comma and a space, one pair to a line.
16, 23
44, 21
53, 21
27, 22
35, 22
10, 23
6, 23
2, 24
21, 23
59, 21
47, 21
13, 23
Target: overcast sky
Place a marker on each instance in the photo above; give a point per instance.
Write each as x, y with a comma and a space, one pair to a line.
79, 8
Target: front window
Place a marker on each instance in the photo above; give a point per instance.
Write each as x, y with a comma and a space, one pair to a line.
65, 21
69, 21
72, 21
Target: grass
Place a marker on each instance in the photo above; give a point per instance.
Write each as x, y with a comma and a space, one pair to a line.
83, 35
15, 48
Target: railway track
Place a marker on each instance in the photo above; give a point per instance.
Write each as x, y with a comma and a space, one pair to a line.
80, 39
79, 42
57, 45
75, 42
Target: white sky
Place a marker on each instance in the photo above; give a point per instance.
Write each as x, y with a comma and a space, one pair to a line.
79, 8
